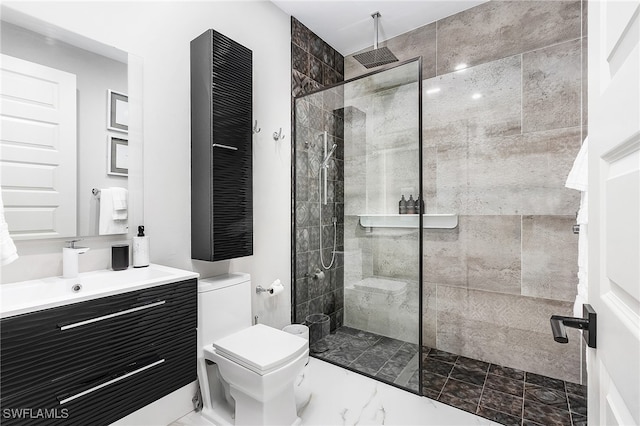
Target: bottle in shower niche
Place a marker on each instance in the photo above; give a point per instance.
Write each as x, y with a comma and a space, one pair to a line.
411, 205
419, 205
140, 249
402, 206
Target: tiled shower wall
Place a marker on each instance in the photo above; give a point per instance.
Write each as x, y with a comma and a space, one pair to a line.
314, 65
499, 139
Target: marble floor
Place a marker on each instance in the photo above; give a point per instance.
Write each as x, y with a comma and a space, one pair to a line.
390, 360
329, 395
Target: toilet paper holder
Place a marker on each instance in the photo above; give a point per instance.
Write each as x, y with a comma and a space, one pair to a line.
260, 289
275, 288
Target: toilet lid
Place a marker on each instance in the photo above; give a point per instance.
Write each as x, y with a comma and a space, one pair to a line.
261, 348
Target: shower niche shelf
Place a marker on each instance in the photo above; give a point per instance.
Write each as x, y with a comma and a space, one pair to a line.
430, 221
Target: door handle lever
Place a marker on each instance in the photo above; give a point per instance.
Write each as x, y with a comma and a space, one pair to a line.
587, 324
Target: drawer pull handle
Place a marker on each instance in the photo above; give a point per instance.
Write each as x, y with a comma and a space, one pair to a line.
113, 315
219, 145
110, 382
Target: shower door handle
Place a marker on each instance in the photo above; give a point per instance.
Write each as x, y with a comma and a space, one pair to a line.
219, 145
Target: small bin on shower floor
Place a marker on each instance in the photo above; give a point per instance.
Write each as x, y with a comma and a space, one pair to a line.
319, 327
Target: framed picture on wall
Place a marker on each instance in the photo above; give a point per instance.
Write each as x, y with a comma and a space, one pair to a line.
117, 111
118, 158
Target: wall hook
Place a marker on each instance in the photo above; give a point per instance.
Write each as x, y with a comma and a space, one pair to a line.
255, 128
277, 136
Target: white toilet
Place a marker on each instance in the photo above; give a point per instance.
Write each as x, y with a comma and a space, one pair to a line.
246, 372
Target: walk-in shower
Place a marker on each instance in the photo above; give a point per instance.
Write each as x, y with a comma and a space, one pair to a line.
357, 152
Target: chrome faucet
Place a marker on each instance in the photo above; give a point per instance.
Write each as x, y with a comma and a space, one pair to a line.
70, 259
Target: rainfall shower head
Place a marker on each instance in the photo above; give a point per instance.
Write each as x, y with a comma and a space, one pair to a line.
325, 163
375, 57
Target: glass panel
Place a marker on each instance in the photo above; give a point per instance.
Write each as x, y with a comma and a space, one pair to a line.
357, 153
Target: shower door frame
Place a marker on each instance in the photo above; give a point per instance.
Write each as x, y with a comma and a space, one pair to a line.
418, 60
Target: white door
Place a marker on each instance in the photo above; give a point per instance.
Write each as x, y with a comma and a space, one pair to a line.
38, 149
614, 211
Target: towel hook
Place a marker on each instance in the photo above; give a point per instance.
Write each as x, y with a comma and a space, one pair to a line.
255, 128
96, 192
278, 135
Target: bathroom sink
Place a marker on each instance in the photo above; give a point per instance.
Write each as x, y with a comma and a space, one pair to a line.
28, 296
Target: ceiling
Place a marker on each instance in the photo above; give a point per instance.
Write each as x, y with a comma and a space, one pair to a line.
348, 27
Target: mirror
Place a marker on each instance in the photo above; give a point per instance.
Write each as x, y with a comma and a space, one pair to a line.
71, 154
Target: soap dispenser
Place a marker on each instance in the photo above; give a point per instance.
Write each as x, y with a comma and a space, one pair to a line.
140, 249
411, 205
402, 206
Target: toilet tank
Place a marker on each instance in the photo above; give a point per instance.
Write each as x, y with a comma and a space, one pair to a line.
224, 306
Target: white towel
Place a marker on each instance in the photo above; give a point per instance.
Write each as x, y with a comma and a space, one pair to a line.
8, 251
119, 196
108, 225
578, 179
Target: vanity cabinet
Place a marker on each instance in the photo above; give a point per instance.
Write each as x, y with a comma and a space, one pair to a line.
97, 361
221, 152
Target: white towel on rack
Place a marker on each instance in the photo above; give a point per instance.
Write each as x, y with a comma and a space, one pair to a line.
578, 179
8, 251
119, 196
108, 225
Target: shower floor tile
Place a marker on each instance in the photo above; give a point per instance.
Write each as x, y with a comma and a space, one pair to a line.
390, 360
501, 394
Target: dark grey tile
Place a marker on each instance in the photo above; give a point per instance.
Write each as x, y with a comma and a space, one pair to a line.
302, 84
315, 69
436, 366
505, 384
386, 346
299, 34
302, 310
443, 355
530, 423
462, 390
369, 362
577, 404
302, 240
496, 416
339, 63
545, 381
545, 414
315, 305
430, 393
576, 389
578, 420
469, 376
299, 59
414, 382
329, 77
463, 404
302, 290
432, 382
503, 402
328, 56
302, 264
551, 397
302, 214
316, 46
329, 303
472, 364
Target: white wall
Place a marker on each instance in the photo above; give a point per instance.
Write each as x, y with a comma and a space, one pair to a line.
160, 33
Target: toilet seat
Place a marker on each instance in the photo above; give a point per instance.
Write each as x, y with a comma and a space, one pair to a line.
260, 348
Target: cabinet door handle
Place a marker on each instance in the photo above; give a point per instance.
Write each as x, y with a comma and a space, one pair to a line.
219, 145
110, 382
113, 315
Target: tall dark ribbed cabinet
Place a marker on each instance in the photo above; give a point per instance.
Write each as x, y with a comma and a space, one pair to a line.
221, 164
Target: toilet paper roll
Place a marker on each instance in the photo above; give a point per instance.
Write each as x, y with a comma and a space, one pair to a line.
276, 288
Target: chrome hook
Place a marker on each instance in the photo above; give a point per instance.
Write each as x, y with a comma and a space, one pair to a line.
278, 135
255, 128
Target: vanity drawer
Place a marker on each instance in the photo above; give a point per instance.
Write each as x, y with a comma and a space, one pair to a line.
45, 345
109, 390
